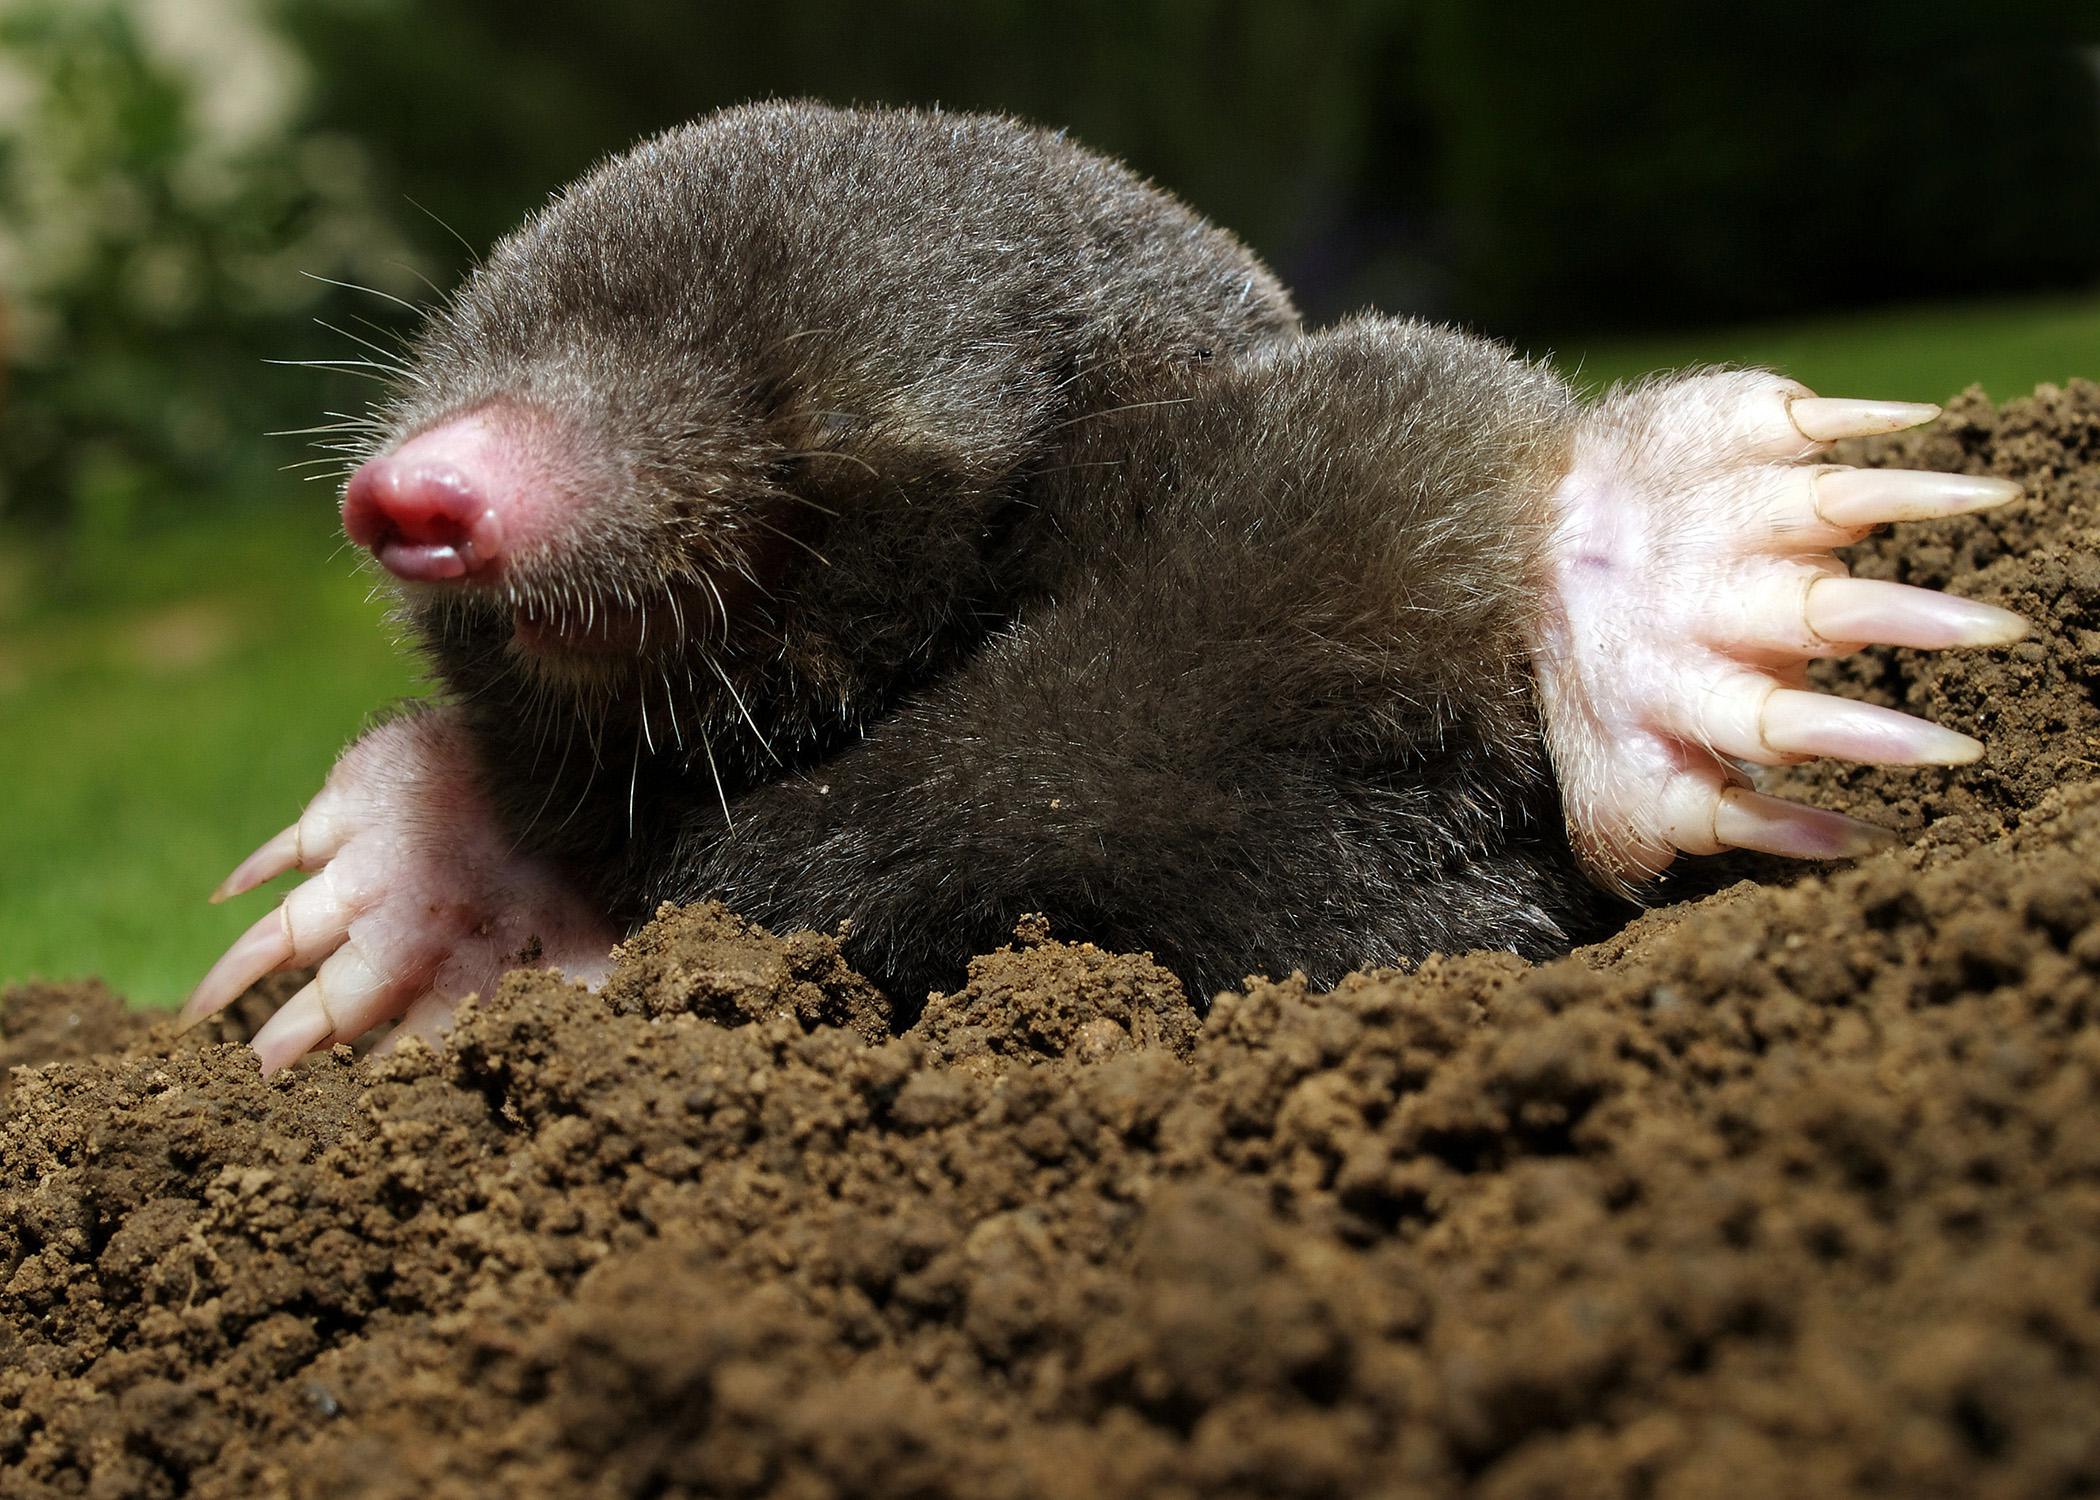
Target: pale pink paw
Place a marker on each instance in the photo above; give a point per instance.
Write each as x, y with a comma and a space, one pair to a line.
417, 900
1691, 580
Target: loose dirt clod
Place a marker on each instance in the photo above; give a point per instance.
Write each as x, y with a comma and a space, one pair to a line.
1790, 1190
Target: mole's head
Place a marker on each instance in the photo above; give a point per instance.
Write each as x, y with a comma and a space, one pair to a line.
595, 470
750, 407
741, 398
573, 480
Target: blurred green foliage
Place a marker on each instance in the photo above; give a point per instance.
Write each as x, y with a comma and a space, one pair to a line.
160, 718
161, 194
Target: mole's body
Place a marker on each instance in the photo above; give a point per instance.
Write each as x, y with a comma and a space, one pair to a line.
913, 521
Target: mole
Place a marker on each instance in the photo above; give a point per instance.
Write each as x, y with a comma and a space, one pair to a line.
902, 522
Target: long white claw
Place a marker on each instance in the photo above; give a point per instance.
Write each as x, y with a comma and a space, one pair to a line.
307, 926
1722, 520
1793, 722
1825, 419
1856, 498
301, 1024
308, 844
263, 948
1744, 819
1861, 611
274, 858
347, 998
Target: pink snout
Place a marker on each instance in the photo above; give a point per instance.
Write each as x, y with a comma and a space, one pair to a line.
424, 519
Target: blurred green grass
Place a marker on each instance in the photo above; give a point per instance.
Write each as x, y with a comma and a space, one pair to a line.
170, 699
1905, 354
165, 707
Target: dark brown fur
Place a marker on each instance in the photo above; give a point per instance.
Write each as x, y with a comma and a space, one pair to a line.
1022, 557
1282, 720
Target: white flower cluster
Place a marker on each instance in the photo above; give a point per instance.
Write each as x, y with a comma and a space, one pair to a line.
153, 163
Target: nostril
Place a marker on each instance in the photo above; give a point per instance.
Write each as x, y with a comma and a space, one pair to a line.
424, 522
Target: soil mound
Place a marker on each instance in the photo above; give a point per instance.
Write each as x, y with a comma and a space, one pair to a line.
1792, 1189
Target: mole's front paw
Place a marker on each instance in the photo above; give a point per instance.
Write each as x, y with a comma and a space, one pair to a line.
419, 899
1691, 581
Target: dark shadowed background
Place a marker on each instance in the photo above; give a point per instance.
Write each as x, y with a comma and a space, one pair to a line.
1890, 200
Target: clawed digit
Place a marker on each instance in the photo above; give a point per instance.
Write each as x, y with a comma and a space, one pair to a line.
416, 899
1693, 581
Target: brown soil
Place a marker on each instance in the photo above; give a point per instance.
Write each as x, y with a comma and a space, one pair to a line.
1790, 1190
